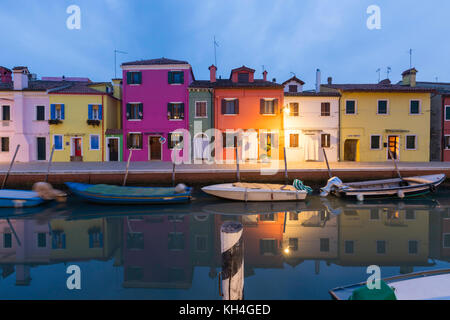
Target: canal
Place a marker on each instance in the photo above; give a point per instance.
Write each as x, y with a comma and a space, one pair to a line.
291, 251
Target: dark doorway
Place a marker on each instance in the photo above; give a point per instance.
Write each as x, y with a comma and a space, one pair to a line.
393, 145
350, 150
155, 148
41, 148
113, 145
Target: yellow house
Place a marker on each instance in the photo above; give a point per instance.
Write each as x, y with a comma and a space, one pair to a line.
82, 116
375, 118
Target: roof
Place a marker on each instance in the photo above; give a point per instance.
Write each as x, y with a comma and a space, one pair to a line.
294, 78
243, 68
379, 87
113, 131
159, 61
312, 94
36, 85
440, 87
227, 83
5, 68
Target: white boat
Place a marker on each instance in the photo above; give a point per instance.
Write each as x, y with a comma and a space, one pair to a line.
389, 188
428, 285
256, 192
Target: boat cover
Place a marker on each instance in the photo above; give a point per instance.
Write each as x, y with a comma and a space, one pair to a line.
129, 191
264, 186
364, 293
18, 194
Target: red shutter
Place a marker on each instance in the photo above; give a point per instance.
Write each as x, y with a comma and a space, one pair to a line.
224, 106
237, 106
275, 106
261, 106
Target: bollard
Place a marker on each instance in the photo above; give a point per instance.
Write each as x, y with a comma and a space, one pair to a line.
232, 248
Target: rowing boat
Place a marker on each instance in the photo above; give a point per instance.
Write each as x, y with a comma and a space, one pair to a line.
111, 194
399, 188
19, 199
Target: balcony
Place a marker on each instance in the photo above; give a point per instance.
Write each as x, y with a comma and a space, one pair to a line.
92, 122
54, 121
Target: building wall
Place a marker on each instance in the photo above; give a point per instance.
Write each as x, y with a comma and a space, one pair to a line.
155, 93
367, 122
310, 121
446, 129
436, 129
200, 125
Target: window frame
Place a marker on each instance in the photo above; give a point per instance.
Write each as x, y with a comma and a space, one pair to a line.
1, 144
90, 142
419, 112
445, 136
387, 107
9, 112
380, 142
182, 115
142, 140
132, 105
409, 243
291, 87
443, 240
266, 101
445, 112
325, 114
132, 83
227, 100
206, 109
298, 140
415, 142
291, 114
329, 140
37, 113
62, 141
356, 107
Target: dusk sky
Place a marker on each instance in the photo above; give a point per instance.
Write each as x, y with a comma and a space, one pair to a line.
283, 35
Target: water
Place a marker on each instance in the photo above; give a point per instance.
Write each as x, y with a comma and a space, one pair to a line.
292, 251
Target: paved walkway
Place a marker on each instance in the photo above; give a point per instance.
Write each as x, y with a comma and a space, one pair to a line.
165, 167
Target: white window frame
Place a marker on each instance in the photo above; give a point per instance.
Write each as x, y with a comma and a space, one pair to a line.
387, 107
96, 107
62, 141
273, 101
356, 107
230, 114
179, 103
134, 104
447, 135
381, 141
58, 110
142, 147
298, 140
406, 142
420, 107
90, 141
445, 112
195, 111
298, 109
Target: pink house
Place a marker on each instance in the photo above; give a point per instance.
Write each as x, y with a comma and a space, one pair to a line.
155, 107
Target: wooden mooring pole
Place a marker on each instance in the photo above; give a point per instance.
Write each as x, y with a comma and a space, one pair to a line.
286, 177
328, 165
128, 166
10, 167
49, 163
238, 173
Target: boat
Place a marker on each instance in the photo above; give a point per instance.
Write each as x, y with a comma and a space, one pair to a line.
426, 285
112, 194
10, 198
240, 191
399, 188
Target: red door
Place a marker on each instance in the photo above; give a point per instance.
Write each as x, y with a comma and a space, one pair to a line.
77, 146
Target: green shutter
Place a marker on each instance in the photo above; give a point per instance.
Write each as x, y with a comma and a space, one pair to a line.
128, 77
128, 111
170, 77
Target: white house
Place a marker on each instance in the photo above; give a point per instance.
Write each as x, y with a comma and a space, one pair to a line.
311, 122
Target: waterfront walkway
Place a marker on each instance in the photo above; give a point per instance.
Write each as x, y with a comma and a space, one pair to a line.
145, 173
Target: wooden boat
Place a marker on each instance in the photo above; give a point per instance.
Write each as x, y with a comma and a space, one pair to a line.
19, 199
256, 192
399, 188
428, 285
110, 194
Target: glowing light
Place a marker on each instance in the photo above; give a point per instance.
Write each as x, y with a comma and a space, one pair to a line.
286, 250
287, 111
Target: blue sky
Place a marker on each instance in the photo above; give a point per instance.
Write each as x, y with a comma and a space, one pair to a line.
283, 35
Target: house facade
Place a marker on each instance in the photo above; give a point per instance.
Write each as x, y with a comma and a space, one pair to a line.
376, 118
248, 115
81, 113
155, 108
311, 123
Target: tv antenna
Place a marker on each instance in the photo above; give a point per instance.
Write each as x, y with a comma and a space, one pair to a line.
388, 70
410, 58
115, 61
216, 44
379, 74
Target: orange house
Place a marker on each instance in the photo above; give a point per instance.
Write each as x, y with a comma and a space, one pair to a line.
248, 113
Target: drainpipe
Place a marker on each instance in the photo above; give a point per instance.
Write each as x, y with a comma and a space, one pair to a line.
339, 129
103, 129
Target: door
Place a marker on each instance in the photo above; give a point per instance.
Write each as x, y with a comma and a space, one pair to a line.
394, 146
311, 147
113, 146
351, 150
250, 146
269, 142
41, 148
77, 147
201, 144
155, 147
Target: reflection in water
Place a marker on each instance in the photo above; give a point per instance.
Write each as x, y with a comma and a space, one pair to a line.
291, 250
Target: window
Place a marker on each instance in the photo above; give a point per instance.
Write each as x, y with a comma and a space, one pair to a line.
176, 241
413, 247
325, 140
293, 216
94, 112
7, 240
94, 142
175, 111
293, 109
446, 240
58, 240
134, 77
350, 107
268, 246
134, 141
135, 241
230, 106
447, 142
57, 112
267, 217
95, 239
293, 140
374, 214
293, 88
5, 144
411, 142
175, 140
135, 111
41, 240
447, 113
324, 245
243, 77
40, 113
200, 109
414, 107
6, 113
382, 107
293, 244
381, 247
176, 77
410, 214
230, 140
268, 106
58, 142
349, 246
375, 142
325, 109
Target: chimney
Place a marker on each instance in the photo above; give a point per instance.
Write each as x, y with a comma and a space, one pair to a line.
274, 80
409, 77
265, 75
330, 80
318, 80
117, 85
212, 73
20, 78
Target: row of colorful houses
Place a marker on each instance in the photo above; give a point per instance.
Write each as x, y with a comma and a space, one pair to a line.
158, 106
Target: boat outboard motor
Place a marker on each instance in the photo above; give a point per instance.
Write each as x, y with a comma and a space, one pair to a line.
332, 184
